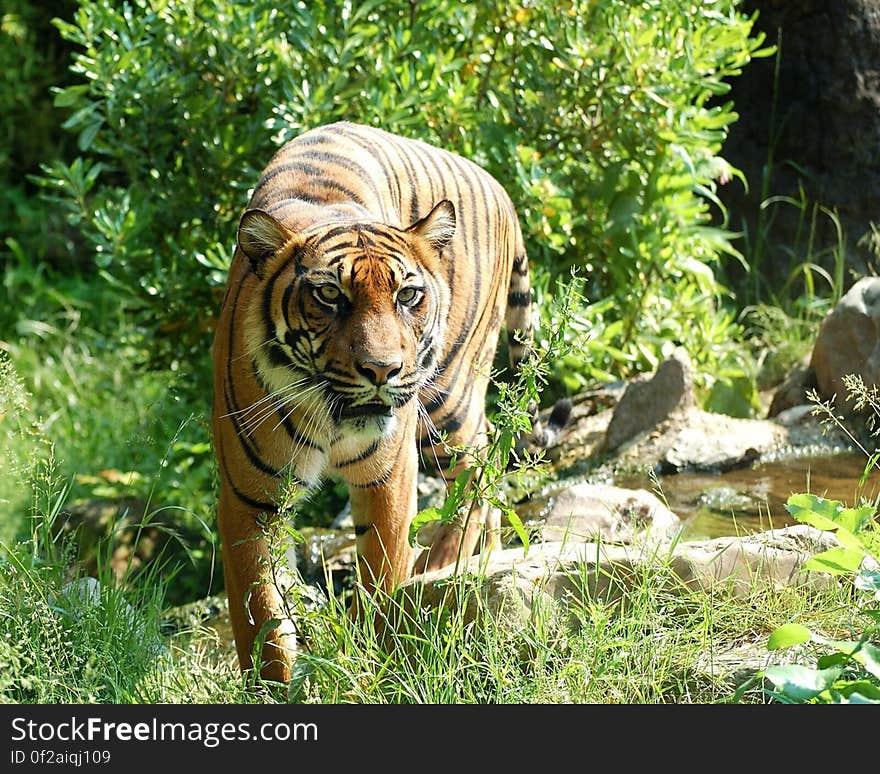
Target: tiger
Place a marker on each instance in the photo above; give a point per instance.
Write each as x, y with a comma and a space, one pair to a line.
370, 281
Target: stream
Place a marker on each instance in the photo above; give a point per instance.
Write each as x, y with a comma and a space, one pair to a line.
749, 500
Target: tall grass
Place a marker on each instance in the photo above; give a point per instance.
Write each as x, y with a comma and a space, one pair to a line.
658, 642
655, 644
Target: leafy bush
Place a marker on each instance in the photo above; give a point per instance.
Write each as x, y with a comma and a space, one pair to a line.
604, 120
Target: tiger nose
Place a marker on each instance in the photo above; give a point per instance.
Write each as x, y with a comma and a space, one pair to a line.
378, 373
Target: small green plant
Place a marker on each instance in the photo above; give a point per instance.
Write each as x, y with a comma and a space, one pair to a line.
849, 671
72, 638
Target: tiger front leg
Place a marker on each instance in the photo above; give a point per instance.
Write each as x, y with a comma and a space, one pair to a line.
382, 512
253, 592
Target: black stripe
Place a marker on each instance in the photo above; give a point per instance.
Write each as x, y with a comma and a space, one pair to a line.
232, 406
453, 422
244, 437
264, 507
517, 298
377, 151
295, 161
361, 529
464, 399
360, 457
377, 482
258, 504
403, 154
282, 413
277, 356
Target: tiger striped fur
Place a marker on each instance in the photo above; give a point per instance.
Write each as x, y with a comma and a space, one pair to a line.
363, 307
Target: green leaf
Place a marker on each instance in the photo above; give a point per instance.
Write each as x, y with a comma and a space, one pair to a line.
868, 580
788, 635
456, 494
836, 561
862, 652
813, 510
517, 525
861, 692
71, 95
850, 540
87, 135
422, 517
869, 657
801, 683
854, 519
830, 660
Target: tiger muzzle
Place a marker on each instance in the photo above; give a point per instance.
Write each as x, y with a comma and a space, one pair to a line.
371, 409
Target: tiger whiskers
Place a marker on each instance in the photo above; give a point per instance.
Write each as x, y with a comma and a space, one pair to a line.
275, 400
433, 432
249, 351
270, 396
298, 403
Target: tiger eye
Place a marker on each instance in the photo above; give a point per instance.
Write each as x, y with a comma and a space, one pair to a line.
409, 296
327, 294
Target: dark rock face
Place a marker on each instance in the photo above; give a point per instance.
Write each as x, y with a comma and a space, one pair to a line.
826, 121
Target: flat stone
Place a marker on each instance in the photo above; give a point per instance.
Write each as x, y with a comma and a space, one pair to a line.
513, 583
587, 511
696, 440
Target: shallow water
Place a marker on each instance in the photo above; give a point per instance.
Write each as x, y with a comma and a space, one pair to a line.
753, 499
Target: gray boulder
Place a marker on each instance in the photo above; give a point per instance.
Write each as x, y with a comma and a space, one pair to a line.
848, 342
513, 584
648, 401
584, 512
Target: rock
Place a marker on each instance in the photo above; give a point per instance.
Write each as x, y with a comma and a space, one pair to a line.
739, 663
796, 415
81, 593
774, 557
137, 536
78, 596
720, 446
649, 401
728, 499
848, 342
600, 511
793, 390
512, 584
343, 519
325, 554
696, 440
207, 622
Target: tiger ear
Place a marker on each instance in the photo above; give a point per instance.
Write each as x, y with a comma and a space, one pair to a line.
260, 236
438, 226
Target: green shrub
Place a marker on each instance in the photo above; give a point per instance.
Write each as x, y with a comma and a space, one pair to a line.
33, 57
604, 120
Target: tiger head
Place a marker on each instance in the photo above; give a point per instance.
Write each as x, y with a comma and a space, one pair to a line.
350, 321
